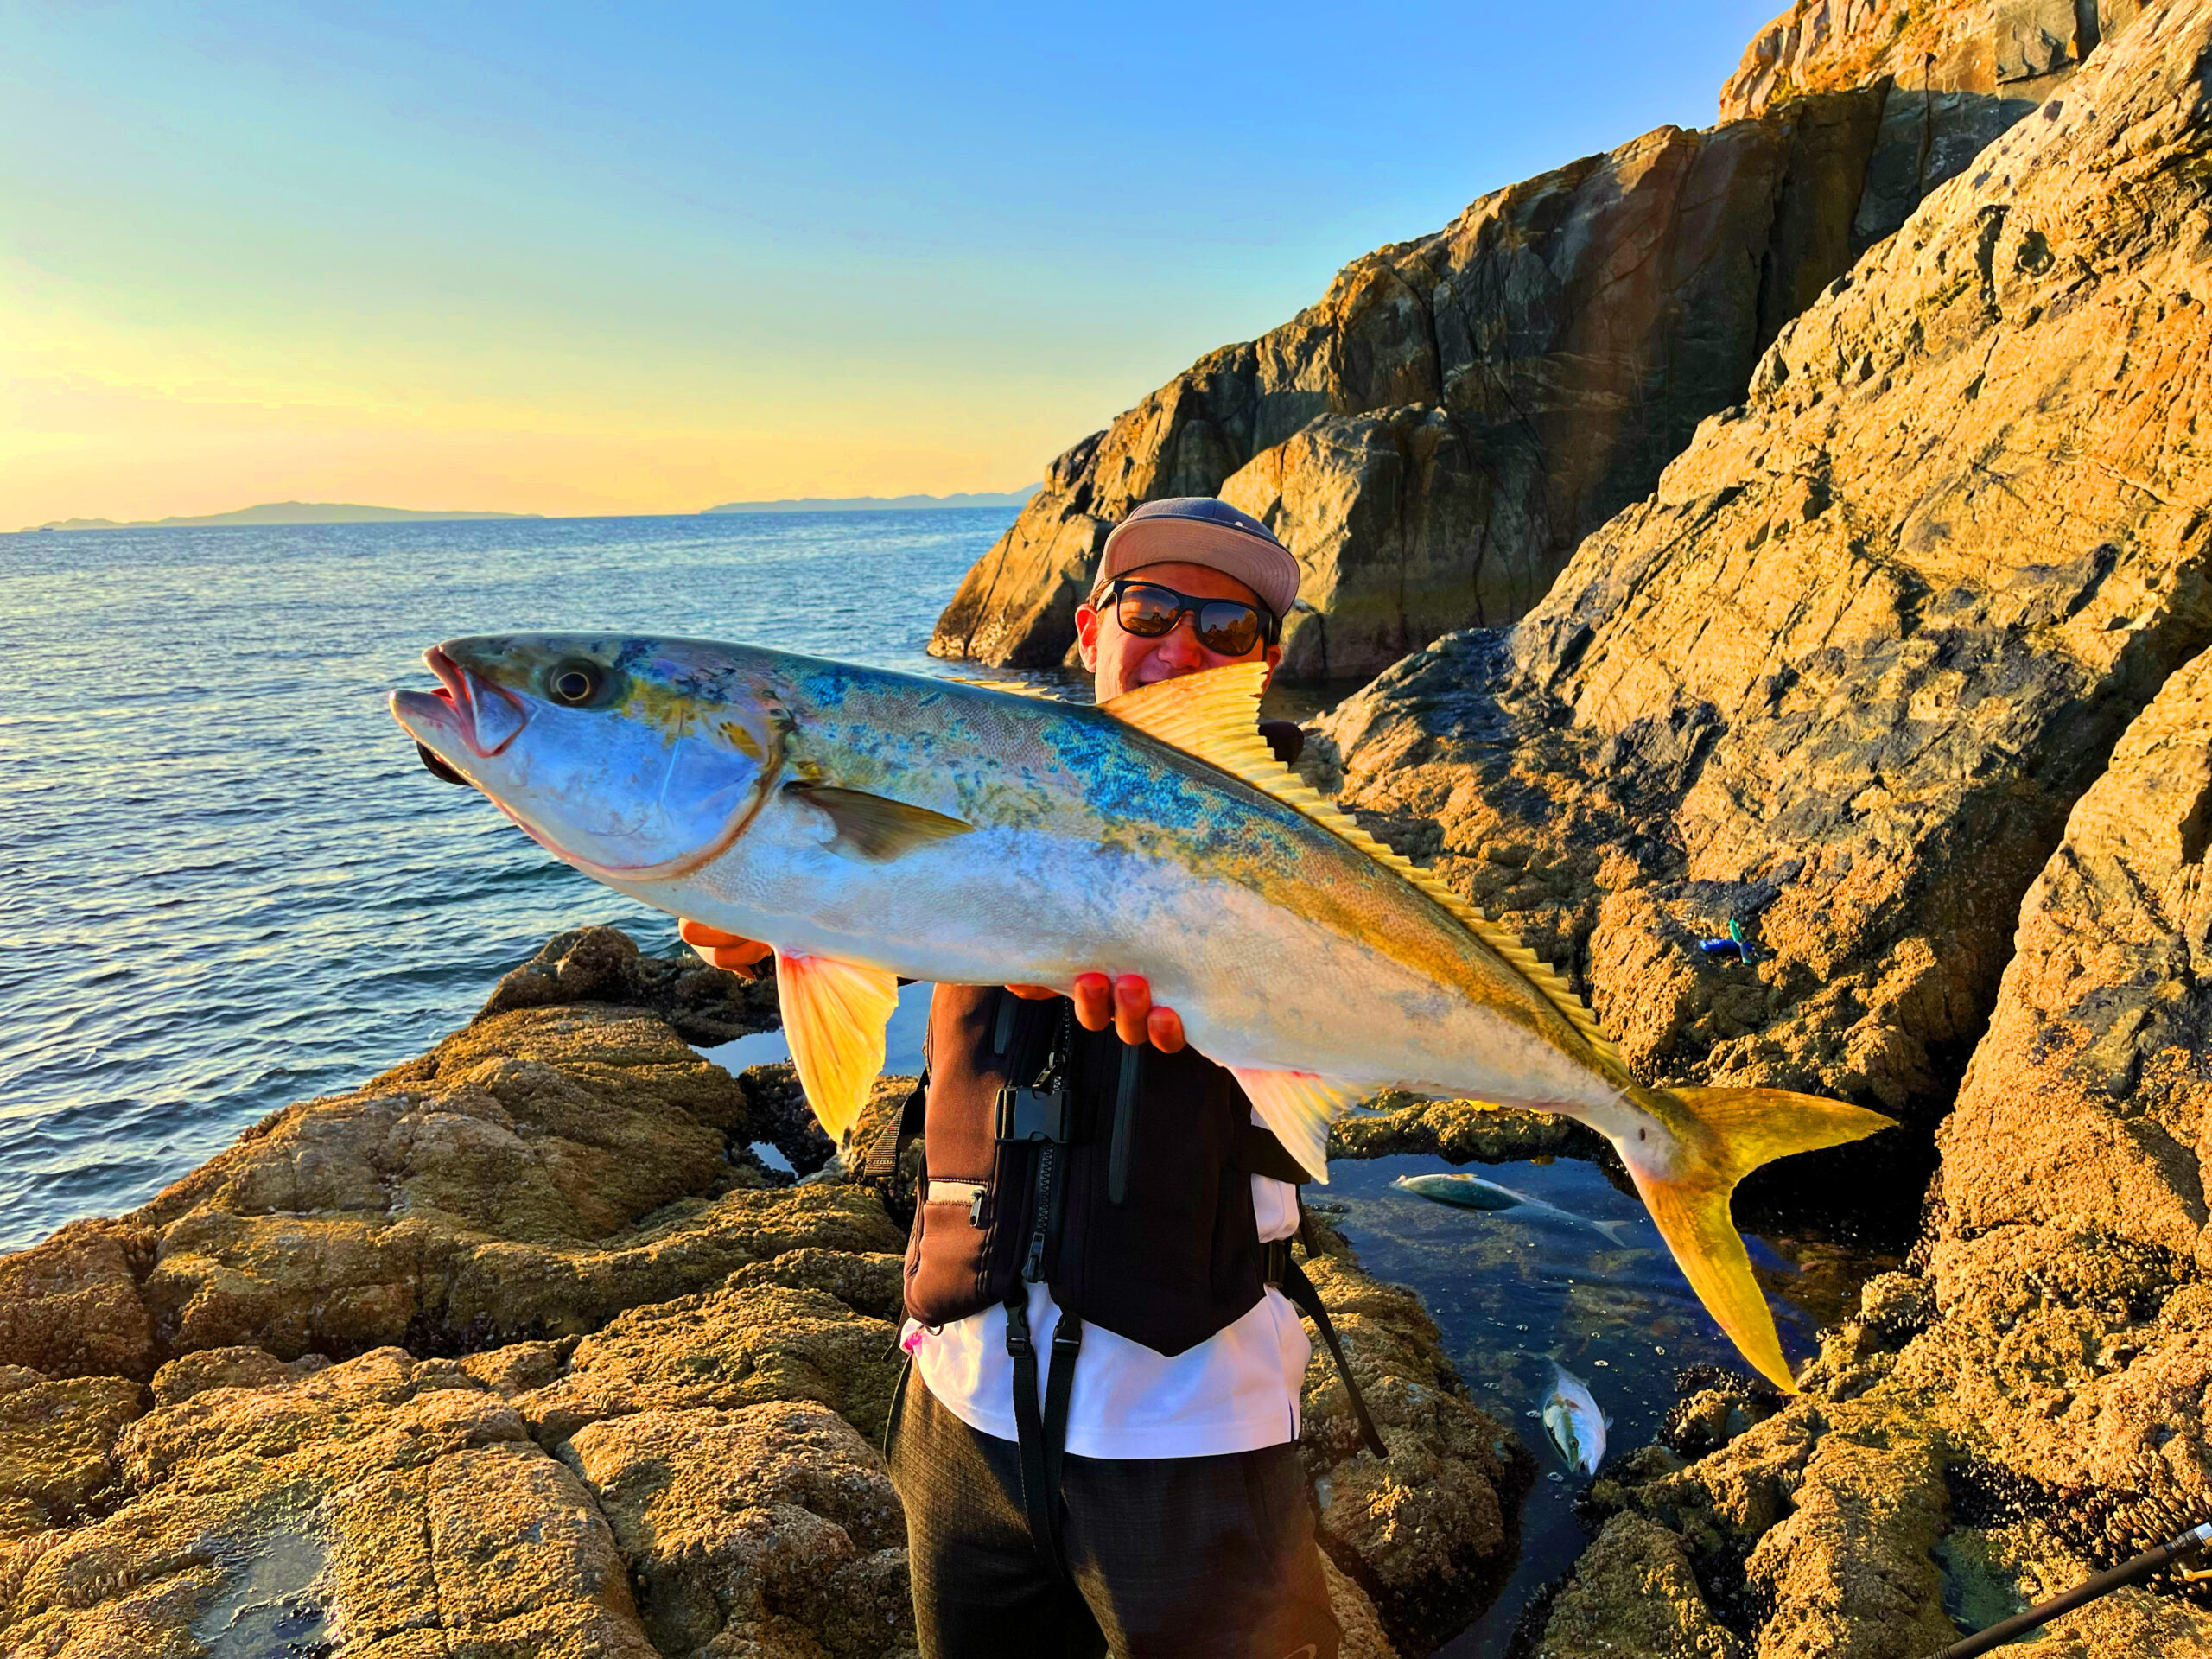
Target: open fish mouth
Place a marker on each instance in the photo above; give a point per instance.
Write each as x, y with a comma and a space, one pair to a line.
465, 709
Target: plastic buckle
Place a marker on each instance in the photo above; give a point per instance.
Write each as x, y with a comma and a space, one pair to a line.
1026, 1114
1018, 1345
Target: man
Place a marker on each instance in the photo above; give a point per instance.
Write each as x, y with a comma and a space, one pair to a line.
1111, 1204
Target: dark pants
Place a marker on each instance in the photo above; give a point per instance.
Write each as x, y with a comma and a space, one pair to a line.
1168, 1558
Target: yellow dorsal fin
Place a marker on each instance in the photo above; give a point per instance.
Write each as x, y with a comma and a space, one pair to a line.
1213, 714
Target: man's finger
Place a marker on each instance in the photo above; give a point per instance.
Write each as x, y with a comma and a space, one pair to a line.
1132, 1007
1094, 1000
1164, 1027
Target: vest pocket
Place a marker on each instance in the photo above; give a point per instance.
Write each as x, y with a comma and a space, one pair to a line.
973, 1196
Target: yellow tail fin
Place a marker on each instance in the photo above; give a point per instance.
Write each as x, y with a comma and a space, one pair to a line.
1742, 1130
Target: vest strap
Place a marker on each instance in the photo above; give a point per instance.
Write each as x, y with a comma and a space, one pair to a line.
1258, 1153
1043, 1440
1288, 1276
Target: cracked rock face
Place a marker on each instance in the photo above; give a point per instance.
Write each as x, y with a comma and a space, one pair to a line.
2023, 49
2027, 1403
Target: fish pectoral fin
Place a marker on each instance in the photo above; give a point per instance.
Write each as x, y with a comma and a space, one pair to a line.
1741, 1128
874, 827
834, 1015
1299, 1106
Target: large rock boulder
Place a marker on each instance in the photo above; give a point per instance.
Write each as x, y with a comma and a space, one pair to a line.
1841, 678
1435, 436
392, 1508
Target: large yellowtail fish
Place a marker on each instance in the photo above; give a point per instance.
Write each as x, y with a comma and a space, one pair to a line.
871, 825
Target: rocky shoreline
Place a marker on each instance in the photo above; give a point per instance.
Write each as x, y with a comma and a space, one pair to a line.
520, 1349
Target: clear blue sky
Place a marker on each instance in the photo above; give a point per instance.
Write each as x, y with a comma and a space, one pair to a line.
573, 258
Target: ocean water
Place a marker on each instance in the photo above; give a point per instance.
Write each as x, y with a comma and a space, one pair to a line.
226, 881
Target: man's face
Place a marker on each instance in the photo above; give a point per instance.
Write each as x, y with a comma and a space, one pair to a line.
1120, 661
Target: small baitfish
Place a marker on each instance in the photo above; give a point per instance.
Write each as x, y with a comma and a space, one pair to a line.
1571, 1418
1473, 1192
872, 825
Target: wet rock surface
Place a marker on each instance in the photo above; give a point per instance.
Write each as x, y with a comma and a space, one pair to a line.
1428, 1533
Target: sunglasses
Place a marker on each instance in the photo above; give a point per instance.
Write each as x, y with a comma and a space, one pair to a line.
1228, 627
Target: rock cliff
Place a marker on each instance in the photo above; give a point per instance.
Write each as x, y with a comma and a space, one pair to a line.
518, 1350
1434, 437
1906, 669
1841, 677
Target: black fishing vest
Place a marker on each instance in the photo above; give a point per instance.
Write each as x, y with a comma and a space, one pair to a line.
1120, 1177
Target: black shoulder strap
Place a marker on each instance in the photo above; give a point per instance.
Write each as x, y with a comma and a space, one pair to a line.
1042, 1438
1307, 1301
1258, 1153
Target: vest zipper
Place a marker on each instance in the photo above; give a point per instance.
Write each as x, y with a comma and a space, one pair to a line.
1048, 1160
1044, 1208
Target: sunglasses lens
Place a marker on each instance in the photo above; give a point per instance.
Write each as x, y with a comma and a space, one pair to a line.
1147, 612
1228, 628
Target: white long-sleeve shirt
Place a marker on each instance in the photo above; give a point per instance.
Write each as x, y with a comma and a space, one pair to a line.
1236, 1391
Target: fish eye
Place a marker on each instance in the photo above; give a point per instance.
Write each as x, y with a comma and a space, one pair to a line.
576, 684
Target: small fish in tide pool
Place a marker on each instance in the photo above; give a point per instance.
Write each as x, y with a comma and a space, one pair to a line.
1473, 1192
1576, 1426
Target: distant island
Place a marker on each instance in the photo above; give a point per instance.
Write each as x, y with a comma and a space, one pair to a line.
284, 512
882, 503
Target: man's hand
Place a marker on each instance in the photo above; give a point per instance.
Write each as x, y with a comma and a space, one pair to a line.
728, 950
1125, 1002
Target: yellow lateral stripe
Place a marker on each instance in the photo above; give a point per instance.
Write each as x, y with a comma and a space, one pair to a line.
1209, 716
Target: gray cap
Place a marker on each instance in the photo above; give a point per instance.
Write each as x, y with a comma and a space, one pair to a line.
1199, 529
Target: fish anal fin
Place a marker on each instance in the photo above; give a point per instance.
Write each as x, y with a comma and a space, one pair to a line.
833, 1016
1213, 715
874, 827
1299, 1106
1740, 1129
